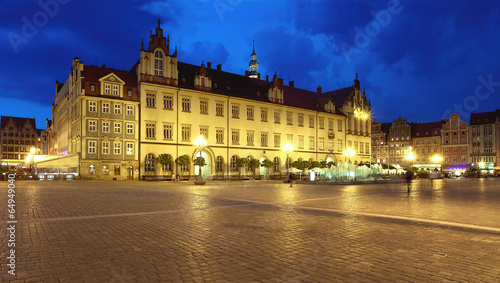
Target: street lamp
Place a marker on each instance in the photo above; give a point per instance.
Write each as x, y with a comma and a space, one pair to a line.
410, 156
437, 159
200, 144
288, 149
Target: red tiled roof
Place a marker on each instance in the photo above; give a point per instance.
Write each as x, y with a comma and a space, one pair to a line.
93, 73
422, 130
484, 117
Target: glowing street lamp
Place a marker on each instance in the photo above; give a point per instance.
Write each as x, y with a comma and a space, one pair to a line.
437, 159
200, 144
287, 149
410, 157
349, 152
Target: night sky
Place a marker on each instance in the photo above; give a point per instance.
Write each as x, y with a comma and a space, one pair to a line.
420, 60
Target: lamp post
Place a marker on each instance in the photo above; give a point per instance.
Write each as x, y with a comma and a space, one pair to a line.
200, 144
287, 149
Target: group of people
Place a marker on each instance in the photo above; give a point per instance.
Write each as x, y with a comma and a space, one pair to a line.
176, 178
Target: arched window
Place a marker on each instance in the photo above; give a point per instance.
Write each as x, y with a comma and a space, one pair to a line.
218, 164
168, 167
149, 162
158, 63
233, 163
276, 164
288, 163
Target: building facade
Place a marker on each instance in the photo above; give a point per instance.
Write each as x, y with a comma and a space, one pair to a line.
96, 118
380, 145
399, 143
427, 145
240, 117
485, 142
455, 145
19, 137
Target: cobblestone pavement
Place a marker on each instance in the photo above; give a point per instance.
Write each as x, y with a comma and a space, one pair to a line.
253, 231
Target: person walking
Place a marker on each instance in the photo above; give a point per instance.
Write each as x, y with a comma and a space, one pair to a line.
409, 177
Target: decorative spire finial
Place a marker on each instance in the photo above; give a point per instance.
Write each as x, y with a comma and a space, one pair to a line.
159, 22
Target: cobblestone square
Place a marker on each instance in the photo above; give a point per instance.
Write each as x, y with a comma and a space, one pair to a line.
253, 231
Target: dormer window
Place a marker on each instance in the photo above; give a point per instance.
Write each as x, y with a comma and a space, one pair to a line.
115, 90
107, 89
158, 63
92, 88
203, 81
129, 93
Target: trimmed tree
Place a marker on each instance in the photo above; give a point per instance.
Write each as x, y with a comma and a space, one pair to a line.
241, 163
164, 160
253, 164
322, 164
183, 160
200, 161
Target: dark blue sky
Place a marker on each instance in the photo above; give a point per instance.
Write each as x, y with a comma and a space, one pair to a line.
420, 60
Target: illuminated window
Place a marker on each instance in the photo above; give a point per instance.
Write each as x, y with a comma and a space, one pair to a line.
158, 63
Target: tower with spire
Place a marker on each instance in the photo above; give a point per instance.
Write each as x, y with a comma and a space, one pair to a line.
253, 66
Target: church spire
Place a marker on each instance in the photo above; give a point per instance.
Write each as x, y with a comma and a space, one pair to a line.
253, 66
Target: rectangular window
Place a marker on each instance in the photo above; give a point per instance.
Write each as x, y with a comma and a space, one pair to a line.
249, 113
105, 169
118, 127
130, 148
105, 147
289, 139
150, 100
219, 109
311, 142
130, 129
339, 145
301, 120
277, 140
263, 115
203, 107
204, 132
235, 111
92, 126
117, 147
330, 124
168, 102
263, 139
150, 131
105, 127
107, 89
330, 145
277, 117
249, 138
219, 136
455, 158
92, 106
235, 137
339, 126
301, 142
105, 107
91, 146
289, 118
167, 132
130, 110
321, 123
321, 142
186, 104
311, 121
186, 133
118, 109
464, 158
115, 90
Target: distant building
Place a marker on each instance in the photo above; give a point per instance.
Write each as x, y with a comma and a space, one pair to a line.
379, 143
485, 142
18, 137
427, 145
399, 143
455, 145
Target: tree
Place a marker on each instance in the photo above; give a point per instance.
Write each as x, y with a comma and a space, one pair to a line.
267, 163
164, 160
183, 160
330, 164
253, 164
322, 164
314, 164
200, 161
241, 163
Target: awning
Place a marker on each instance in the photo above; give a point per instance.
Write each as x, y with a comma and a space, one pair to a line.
59, 162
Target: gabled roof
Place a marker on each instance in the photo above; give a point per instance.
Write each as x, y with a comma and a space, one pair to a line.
19, 122
93, 73
432, 129
484, 117
255, 89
